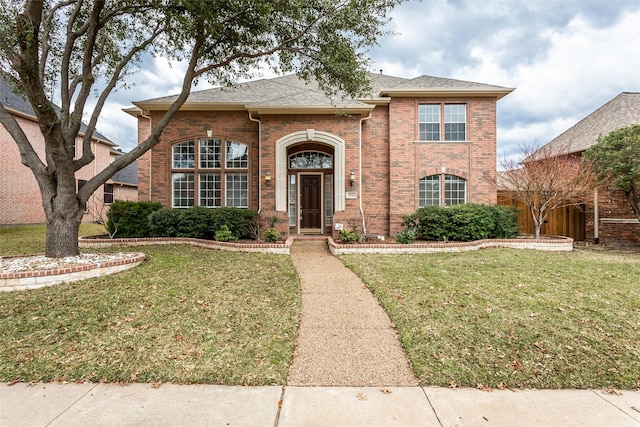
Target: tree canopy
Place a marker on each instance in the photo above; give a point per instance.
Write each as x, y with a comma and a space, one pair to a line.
616, 159
60, 54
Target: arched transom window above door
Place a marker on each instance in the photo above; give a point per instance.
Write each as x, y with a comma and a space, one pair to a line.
310, 160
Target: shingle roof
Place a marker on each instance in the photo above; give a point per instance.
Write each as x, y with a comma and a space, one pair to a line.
127, 175
11, 100
621, 111
291, 91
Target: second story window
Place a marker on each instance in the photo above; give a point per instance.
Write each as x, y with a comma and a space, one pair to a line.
442, 122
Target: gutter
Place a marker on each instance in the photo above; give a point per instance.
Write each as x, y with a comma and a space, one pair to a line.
259, 161
150, 152
364, 224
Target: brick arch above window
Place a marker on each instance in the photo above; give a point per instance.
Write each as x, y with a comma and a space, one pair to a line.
432, 170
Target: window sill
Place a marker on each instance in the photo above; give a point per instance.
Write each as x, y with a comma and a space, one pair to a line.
443, 142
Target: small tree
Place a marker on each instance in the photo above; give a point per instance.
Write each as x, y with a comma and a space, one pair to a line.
616, 160
547, 179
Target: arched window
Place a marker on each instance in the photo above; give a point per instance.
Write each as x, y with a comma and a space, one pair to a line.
212, 176
311, 160
442, 190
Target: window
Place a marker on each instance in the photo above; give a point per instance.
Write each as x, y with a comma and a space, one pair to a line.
455, 119
210, 190
429, 119
455, 190
430, 194
430, 123
183, 190
311, 160
328, 200
292, 200
237, 186
429, 191
107, 189
207, 161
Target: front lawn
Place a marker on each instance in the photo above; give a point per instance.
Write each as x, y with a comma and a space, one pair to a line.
30, 239
512, 318
186, 315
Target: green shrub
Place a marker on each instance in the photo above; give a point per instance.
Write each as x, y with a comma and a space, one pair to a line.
271, 235
225, 235
407, 236
129, 219
164, 223
197, 222
430, 222
465, 222
237, 219
201, 223
505, 220
348, 236
469, 222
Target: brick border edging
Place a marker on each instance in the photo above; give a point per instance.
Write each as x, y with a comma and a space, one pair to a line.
556, 243
22, 280
272, 248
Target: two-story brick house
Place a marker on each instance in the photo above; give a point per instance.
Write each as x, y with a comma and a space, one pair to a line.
282, 147
20, 200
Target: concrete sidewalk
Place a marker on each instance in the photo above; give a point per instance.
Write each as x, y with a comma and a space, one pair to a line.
211, 405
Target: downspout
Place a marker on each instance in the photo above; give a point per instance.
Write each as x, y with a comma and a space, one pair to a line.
596, 219
364, 224
150, 151
259, 161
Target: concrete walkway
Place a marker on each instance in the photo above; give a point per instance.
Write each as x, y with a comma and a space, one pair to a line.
211, 405
345, 337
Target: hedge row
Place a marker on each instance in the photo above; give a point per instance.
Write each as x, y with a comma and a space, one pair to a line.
462, 223
149, 219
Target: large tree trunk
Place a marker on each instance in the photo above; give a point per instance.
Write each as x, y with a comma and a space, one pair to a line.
62, 235
64, 213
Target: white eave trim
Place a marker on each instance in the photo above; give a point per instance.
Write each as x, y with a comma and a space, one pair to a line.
446, 92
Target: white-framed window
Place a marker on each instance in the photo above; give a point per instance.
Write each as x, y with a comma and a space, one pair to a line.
210, 153
237, 189
328, 200
183, 185
237, 155
442, 190
293, 207
442, 122
201, 161
210, 189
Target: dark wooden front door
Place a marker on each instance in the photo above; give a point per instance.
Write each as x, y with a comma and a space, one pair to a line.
311, 202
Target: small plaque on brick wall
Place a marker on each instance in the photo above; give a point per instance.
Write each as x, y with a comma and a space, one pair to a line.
351, 195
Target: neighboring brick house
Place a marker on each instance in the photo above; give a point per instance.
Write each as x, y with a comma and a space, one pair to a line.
20, 200
608, 217
282, 147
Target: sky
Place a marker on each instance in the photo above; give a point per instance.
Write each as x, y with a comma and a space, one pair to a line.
564, 59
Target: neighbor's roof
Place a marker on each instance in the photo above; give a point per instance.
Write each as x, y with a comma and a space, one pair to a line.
292, 94
18, 105
621, 111
127, 175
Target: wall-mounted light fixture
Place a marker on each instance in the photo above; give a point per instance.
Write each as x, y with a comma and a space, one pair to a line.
209, 133
267, 178
352, 178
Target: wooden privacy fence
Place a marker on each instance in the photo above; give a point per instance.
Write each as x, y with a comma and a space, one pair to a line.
567, 221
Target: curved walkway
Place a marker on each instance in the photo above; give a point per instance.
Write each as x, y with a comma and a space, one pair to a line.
345, 337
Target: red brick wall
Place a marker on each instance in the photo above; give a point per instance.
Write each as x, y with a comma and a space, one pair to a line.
155, 165
410, 159
20, 199
612, 204
392, 160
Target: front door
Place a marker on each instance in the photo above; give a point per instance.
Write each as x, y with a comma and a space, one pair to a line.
311, 203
